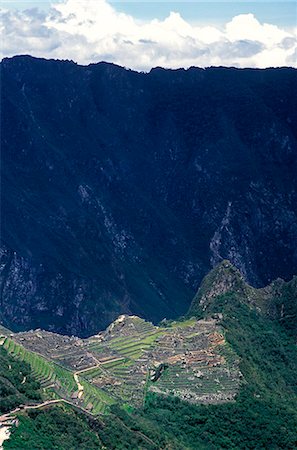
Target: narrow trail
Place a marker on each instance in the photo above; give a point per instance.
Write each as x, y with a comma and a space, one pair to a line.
7, 416
10, 415
96, 366
80, 387
78, 372
7, 420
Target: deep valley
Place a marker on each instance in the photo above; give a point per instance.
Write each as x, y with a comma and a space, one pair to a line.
121, 190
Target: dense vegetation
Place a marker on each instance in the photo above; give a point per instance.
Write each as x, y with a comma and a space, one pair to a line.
17, 385
55, 428
286, 307
264, 415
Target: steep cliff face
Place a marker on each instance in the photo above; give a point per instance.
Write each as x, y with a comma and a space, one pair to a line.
277, 301
120, 190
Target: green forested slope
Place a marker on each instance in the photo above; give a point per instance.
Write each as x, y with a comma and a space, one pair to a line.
263, 416
17, 385
56, 428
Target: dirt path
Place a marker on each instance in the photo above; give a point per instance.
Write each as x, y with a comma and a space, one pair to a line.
5, 429
80, 387
88, 368
99, 364
8, 416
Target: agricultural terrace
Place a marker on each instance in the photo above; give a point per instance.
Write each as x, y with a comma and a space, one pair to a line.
188, 359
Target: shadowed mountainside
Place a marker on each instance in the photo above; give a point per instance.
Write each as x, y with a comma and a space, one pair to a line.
122, 189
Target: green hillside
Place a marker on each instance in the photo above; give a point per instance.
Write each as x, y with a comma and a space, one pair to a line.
55, 428
246, 348
17, 383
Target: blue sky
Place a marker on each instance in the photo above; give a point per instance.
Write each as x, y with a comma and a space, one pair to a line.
279, 13
140, 34
282, 13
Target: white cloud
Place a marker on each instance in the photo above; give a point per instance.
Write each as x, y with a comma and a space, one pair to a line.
93, 30
246, 26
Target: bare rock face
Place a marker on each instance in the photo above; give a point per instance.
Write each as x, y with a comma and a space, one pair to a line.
121, 190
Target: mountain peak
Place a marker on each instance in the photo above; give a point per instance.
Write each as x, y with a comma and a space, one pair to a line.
223, 279
276, 300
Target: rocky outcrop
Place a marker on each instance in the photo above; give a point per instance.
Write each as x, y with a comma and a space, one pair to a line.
223, 279
277, 300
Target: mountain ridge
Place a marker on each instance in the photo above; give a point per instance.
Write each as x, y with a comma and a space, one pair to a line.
278, 300
121, 190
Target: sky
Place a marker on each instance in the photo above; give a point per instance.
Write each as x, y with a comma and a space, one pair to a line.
140, 35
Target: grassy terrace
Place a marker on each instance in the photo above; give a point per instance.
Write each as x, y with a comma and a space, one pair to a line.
132, 347
116, 367
99, 400
58, 381
91, 373
183, 324
127, 381
45, 371
179, 337
144, 340
110, 364
151, 335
